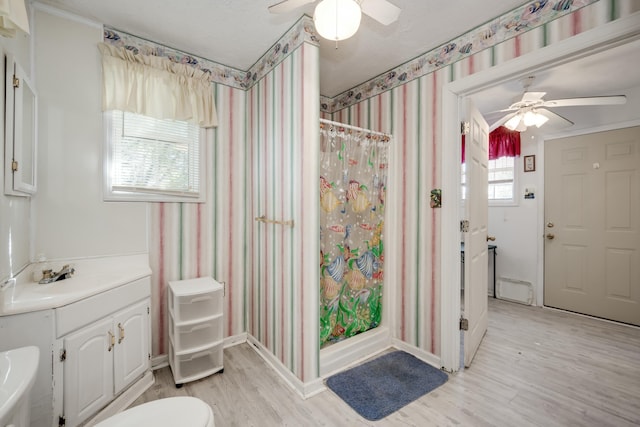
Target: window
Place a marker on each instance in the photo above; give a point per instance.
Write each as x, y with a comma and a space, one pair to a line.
501, 177
148, 159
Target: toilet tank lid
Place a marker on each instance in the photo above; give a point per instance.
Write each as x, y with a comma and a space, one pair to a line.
169, 412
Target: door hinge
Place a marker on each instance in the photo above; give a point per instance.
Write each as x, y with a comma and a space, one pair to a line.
14, 166
16, 81
464, 226
63, 355
464, 324
149, 354
464, 128
147, 310
62, 421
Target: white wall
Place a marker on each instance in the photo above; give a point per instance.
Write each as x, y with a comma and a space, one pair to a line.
71, 220
15, 212
515, 227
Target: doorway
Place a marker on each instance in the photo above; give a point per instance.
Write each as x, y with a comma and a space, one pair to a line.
582, 45
592, 242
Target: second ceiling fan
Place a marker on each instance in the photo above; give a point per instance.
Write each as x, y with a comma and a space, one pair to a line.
533, 109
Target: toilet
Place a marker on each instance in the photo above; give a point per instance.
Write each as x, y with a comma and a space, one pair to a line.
169, 412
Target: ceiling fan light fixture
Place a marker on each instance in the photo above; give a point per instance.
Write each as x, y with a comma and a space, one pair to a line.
513, 122
521, 126
540, 119
534, 118
337, 19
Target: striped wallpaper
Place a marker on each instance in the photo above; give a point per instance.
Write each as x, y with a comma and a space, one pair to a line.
188, 240
262, 160
283, 120
412, 114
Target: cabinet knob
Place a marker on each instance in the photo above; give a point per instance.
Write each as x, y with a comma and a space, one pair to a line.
112, 340
121, 329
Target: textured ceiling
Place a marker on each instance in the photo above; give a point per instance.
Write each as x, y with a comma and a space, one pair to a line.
610, 72
237, 32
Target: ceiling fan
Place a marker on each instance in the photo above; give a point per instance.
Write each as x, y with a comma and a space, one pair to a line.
331, 15
533, 110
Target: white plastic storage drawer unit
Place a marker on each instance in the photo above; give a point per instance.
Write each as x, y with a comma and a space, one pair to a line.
195, 335
195, 328
192, 366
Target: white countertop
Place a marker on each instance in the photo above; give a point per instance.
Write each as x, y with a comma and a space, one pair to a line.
92, 276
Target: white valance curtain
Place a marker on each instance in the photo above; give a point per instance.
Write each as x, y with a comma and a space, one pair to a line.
156, 87
13, 16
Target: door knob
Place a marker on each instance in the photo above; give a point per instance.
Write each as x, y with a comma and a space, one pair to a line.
492, 238
550, 236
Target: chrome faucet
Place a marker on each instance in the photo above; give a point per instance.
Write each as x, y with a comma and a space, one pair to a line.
49, 276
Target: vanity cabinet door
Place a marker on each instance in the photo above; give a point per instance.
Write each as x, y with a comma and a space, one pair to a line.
131, 355
88, 371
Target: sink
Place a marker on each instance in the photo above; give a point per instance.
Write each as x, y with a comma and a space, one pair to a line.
93, 276
17, 374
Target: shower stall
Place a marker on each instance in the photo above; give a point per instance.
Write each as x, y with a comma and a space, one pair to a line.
354, 165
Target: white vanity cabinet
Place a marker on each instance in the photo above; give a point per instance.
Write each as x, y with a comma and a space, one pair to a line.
102, 359
106, 349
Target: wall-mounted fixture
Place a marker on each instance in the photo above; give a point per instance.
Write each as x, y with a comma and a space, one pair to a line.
436, 198
13, 16
21, 142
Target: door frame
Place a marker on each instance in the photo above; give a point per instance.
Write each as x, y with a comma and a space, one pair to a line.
584, 44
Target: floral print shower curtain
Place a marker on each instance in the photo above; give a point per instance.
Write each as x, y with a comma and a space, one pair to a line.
353, 178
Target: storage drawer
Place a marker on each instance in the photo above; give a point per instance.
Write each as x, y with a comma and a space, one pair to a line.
195, 299
193, 366
191, 336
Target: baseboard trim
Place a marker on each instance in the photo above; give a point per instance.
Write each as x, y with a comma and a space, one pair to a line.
340, 356
304, 389
235, 340
162, 361
159, 362
425, 356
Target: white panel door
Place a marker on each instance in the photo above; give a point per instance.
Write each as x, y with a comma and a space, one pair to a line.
131, 353
592, 222
475, 240
88, 371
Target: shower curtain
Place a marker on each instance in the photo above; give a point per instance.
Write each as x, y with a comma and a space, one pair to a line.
353, 178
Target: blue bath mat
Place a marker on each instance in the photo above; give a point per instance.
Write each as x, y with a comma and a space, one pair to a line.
383, 385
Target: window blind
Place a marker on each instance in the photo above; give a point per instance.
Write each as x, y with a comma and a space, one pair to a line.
154, 156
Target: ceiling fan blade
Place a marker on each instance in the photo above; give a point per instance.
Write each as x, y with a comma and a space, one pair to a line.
594, 100
555, 119
532, 96
285, 6
500, 122
381, 10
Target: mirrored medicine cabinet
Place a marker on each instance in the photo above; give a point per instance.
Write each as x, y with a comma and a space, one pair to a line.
20, 133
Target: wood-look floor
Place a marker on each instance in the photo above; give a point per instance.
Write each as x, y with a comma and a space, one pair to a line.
535, 367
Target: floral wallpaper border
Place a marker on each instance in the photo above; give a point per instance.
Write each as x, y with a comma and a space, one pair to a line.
518, 21
302, 31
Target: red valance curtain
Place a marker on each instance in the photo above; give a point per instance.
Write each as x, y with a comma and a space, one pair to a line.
502, 143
